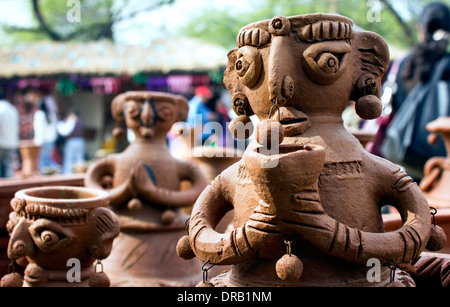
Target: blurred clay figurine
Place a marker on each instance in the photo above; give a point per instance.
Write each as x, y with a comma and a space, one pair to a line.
307, 197
144, 183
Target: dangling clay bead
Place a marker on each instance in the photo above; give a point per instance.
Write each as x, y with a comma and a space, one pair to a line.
238, 127
134, 204
289, 268
206, 284
184, 249
437, 240
368, 107
266, 130
168, 217
99, 280
12, 280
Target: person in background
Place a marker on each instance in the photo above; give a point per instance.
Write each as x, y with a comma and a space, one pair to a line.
199, 114
9, 136
433, 34
45, 133
72, 129
419, 65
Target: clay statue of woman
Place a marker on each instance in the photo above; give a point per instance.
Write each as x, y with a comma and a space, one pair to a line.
314, 193
144, 183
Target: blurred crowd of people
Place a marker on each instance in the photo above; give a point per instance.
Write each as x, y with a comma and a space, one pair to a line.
33, 115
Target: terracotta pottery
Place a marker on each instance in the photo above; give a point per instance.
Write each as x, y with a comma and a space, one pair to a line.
306, 195
436, 181
29, 153
57, 233
8, 187
144, 183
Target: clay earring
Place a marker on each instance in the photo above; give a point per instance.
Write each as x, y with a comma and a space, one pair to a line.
241, 127
368, 106
267, 129
99, 278
12, 279
438, 239
289, 267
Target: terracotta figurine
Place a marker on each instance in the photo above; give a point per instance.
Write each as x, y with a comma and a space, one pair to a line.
57, 233
144, 185
306, 196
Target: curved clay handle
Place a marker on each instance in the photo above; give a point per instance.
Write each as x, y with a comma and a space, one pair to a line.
432, 171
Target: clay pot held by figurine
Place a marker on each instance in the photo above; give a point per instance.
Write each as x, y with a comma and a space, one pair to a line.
277, 175
58, 232
29, 153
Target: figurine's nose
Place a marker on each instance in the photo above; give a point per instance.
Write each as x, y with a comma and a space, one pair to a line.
280, 83
148, 114
21, 243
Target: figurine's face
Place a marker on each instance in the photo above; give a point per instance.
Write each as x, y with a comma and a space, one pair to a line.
47, 242
308, 63
65, 224
155, 117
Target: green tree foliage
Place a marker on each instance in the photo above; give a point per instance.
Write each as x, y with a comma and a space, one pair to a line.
396, 24
52, 18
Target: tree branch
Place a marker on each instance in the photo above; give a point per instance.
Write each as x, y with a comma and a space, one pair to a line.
43, 25
406, 28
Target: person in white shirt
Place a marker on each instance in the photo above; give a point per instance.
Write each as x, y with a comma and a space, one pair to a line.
72, 128
45, 135
9, 136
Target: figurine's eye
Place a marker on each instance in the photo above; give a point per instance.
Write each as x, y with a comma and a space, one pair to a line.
49, 238
326, 61
49, 235
165, 113
248, 65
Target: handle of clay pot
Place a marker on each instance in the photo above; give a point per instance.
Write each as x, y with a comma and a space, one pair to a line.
187, 171
432, 172
118, 195
354, 245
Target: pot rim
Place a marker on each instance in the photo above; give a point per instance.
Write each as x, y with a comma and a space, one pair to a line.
87, 195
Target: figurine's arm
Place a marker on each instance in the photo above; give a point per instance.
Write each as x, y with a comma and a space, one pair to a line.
355, 245
240, 244
187, 171
106, 166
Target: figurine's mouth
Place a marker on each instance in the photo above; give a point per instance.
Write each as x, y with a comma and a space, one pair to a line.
294, 121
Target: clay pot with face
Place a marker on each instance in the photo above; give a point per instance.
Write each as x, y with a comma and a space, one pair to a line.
54, 228
302, 71
144, 183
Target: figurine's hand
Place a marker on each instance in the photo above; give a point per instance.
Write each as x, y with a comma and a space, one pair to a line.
141, 180
265, 232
